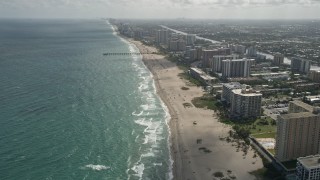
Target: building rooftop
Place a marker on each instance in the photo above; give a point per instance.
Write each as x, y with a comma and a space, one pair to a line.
207, 77
203, 75
244, 59
197, 70
297, 115
232, 85
246, 92
303, 105
271, 74
310, 162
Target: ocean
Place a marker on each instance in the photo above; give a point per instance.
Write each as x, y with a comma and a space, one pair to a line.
68, 112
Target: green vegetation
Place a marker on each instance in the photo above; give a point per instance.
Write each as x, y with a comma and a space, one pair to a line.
258, 128
192, 81
186, 105
204, 149
185, 88
206, 101
263, 126
218, 174
178, 61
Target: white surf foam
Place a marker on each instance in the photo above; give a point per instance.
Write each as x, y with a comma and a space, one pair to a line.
154, 128
137, 114
138, 169
169, 143
97, 167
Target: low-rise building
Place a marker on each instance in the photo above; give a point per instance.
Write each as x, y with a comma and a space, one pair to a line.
202, 76
313, 99
273, 75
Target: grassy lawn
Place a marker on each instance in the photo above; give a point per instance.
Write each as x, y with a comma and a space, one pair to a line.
193, 81
263, 128
259, 128
206, 101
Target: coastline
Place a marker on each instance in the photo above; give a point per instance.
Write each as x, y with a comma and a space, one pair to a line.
172, 123
190, 162
173, 172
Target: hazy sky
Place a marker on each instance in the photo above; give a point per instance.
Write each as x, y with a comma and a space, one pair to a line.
209, 9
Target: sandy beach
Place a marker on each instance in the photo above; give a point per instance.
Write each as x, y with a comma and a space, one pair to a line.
190, 162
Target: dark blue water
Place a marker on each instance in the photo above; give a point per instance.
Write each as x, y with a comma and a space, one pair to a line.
68, 112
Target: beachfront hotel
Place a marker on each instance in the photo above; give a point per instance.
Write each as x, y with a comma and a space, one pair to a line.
227, 90
308, 168
298, 132
245, 103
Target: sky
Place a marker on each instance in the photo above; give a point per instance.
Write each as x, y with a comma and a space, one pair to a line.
162, 9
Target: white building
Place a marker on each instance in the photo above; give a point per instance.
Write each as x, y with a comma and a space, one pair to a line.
202, 76
216, 61
227, 90
236, 68
308, 168
245, 103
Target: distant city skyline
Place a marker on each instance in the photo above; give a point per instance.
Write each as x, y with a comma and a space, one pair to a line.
197, 9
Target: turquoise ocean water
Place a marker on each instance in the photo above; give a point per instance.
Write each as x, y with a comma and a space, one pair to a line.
68, 112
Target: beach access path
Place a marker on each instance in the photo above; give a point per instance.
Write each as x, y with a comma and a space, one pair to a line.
190, 162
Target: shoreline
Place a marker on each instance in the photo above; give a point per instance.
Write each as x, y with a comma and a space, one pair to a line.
172, 122
189, 159
171, 113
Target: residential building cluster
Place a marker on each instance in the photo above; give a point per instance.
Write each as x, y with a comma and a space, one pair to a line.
228, 67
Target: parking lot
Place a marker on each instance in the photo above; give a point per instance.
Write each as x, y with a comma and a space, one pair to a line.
274, 110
